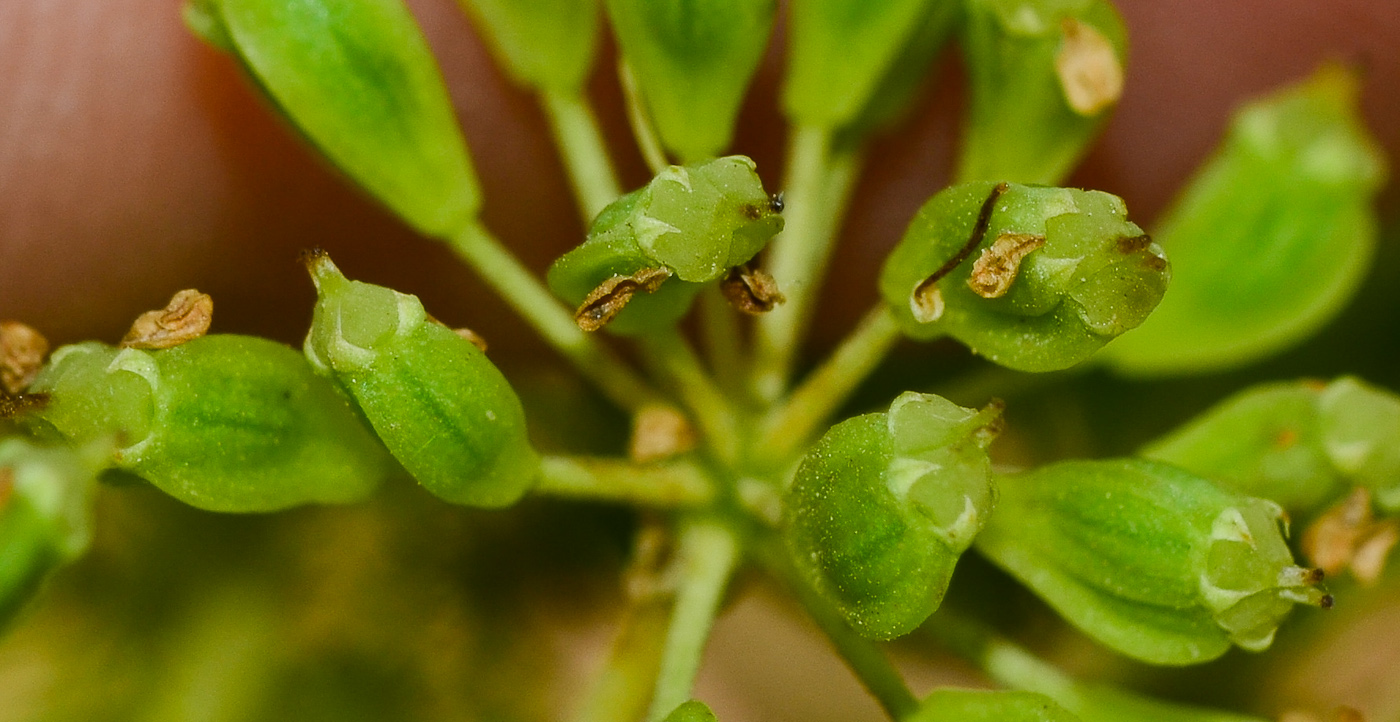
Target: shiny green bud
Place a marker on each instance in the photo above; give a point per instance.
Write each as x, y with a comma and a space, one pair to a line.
1043, 75
45, 500
1149, 559
693, 60
222, 422
978, 705
691, 711
1033, 278
688, 226
1274, 235
445, 411
1300, 443
883, 505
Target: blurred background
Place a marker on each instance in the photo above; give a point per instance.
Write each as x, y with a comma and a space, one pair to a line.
135, 162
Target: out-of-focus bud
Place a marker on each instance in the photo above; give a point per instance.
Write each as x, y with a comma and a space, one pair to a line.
883, 505
1149, 559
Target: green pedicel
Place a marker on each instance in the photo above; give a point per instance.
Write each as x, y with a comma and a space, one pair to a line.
445, 411
1149, 559
1092, 276
883, 505
694, 222
222, 422
976, 705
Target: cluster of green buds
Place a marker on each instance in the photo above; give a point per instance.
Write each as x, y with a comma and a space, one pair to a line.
694, 223
445, 411
1033, 278
1149, 559
45, 495
884, 504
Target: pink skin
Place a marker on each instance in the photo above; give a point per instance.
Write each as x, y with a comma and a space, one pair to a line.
135, 162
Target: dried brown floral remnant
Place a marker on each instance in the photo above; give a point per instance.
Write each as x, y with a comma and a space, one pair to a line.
1090, 73
751, 290
926, 302
22, 352
994, 271
1347, 536
611, 296
658, 433
477, 339
185, 318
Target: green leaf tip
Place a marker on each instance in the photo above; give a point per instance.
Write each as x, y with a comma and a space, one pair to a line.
1033, 278
1272, 237
883, 505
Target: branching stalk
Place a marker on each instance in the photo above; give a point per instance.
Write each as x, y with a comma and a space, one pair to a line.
673, 357
585, 153
555, 323
672, 484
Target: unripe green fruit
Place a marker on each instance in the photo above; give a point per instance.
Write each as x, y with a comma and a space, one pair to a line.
445, 411
222, 422
883, 505
1149, 559
692, 222
1033, 278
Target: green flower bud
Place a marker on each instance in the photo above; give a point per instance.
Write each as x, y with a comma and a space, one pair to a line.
445, 412
1033, 278
1275, 233
1149, 559
357, 78
225, 423
977, 705
691, 711
543, 44
693, 60
691, 222
45, 499
907, 73
841, 51
1043, 76
883, 505
1299, 443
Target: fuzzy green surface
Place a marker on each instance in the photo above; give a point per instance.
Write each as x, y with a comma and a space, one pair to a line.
443, 410
1071, 296
357, 78
1272, 237
840, 51
1019, 126
693, 60
545, 44
976, 705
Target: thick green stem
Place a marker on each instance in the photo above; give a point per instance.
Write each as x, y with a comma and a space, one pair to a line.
637, 116
719, 324
1003, 661
673, 357
585, 153
816, 190
708, 553
529, 297
864, 657
794, 423
671, 484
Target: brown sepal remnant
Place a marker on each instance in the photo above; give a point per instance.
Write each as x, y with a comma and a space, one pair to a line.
477, 339
751, 290
1348, 536
995, 270
659, 433
185, 318
1090, 73
926, 302
612, 295
7, 486
22, 352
